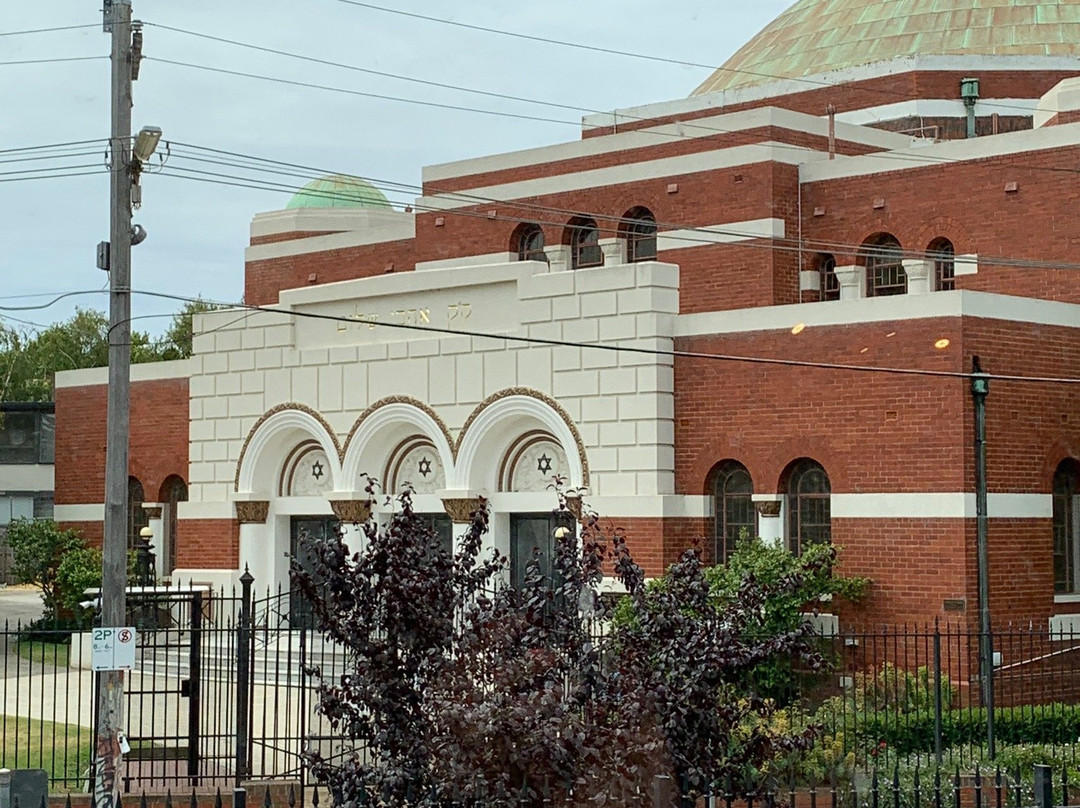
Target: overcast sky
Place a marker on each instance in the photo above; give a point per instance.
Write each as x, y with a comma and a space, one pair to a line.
49, 227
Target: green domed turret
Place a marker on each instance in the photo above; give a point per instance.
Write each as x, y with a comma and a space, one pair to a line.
339, 191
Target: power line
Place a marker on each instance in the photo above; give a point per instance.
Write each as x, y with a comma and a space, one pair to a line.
377, 96
600, 346
644, 56
708, 234
46, 146
440, 85
55, 176
53, 60
46, 169
371, 72
49, 30
920, 159
51, 156
53, 301
545, 40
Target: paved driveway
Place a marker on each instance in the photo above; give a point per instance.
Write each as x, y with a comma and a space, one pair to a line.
19, 604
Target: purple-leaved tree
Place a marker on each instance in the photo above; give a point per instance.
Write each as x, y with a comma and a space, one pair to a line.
464, 691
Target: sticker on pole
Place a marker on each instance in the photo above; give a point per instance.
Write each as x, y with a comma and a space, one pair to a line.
114, 649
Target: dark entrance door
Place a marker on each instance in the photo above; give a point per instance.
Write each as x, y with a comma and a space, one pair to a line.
306, 529
442, 526
529, 531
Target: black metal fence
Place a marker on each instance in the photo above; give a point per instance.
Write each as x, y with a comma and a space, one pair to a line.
224, 691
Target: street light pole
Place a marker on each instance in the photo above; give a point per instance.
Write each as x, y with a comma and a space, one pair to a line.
980, 389
107, 754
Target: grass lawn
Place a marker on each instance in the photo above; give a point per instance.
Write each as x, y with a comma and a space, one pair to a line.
54, 654
63, 750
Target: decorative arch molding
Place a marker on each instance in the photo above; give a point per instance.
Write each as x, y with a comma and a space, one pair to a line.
1059, 452
943, 227
500, 419
698, 479
277, 427
783, 455
381, 428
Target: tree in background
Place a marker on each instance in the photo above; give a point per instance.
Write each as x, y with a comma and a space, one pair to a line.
38, 548
29, 361
176, 344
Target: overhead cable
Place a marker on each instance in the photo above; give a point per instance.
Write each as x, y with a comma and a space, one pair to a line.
629, 349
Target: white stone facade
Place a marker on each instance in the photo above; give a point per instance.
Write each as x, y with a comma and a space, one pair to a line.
355, 389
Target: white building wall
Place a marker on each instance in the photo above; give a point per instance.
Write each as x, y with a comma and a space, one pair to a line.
246, 364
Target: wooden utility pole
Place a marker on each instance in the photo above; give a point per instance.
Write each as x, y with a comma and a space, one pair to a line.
110, 712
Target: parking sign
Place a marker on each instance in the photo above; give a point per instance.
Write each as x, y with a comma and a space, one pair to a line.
113, 649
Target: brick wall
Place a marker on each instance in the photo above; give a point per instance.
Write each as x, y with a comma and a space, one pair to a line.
208, 544
158, 445
871, 431
883, 433
968, 204
695, 140
265, 279
883, 90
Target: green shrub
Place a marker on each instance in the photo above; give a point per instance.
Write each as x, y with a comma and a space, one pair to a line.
1057, 724
38, 547
79, 570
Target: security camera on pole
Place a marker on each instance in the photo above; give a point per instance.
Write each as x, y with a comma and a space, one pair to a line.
115, 257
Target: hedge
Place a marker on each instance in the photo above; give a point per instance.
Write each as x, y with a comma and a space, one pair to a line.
1052, 724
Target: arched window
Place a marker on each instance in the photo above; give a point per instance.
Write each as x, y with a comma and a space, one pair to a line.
830, 286
173, 490
137, 516
585, 244
1066, 523
885, 273
734, 507
529, 242
943, 254
809, 510
640, 235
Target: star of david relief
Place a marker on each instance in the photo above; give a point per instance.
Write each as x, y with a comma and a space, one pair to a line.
543, 465
317, 470
424, 466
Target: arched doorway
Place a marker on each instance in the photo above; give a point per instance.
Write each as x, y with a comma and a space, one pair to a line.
173, 491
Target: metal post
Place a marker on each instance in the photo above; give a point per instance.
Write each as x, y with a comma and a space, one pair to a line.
1044, 786
195, 688
937, 695
980, 389
831, 110
114, 549
243, 676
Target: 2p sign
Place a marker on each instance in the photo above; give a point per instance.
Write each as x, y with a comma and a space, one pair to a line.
113, 649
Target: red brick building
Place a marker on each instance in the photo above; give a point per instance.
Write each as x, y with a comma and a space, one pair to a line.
824, 235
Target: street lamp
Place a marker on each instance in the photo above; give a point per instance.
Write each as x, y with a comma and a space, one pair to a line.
145, 557
146, 143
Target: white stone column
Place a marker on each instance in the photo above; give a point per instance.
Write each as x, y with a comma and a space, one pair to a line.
770, 522
852, 282
920, 276
614, 250
257, 554
558, 257
810, 281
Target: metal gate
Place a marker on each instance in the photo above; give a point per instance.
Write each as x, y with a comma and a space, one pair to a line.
181, 699
287, 662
